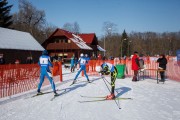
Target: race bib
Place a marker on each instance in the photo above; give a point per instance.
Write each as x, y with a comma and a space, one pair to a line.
109, 65
43, 61
83, 62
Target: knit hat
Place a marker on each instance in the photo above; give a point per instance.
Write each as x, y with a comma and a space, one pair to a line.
45, 52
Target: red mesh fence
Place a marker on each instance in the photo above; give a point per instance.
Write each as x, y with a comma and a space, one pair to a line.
172, 71
18, 78
23, 77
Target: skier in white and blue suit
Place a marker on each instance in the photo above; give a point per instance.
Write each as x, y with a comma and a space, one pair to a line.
83, 61
45, 63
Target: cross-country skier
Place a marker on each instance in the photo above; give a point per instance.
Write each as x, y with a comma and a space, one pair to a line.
108, 68
83, 61
45, 63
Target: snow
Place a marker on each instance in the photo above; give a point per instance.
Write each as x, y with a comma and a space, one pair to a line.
13, 39
151, 101
80, 43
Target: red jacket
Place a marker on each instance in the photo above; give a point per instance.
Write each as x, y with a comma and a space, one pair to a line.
135, 62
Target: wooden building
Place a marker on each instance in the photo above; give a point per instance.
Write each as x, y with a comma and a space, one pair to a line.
18, 46
65, 44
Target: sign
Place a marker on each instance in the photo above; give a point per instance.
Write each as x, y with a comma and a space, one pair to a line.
178, 55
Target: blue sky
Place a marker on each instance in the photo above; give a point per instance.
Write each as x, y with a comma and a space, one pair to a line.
131, 15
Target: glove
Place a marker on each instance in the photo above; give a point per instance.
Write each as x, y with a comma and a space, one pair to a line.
101, 73
102, 76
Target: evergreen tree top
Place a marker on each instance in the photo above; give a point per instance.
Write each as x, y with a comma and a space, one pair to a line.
5, 18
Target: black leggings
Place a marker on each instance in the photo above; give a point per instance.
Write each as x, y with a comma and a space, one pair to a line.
162, 75
113, 79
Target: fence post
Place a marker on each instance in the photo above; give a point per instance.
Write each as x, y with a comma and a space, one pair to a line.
60, 71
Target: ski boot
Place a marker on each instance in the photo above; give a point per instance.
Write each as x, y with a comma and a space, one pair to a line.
89, 81
55, 93
74, 81
110, 97
39, 92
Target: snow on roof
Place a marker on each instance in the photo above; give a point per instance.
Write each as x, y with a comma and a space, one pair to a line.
80, 43
100, 48
13, 39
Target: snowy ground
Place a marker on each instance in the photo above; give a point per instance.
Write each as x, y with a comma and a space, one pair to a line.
151, 101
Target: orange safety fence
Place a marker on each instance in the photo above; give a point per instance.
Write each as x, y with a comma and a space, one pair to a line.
18, 78
57, 69
172, 71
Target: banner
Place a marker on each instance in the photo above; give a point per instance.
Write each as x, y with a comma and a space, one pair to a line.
178, 56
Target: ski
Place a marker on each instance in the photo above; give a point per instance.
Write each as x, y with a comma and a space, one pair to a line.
72, 84
42, 93
93, 96
98, 100
38, 94
102, 97
57, 95
81, 82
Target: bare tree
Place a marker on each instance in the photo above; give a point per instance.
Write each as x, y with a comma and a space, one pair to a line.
29, 19
147, 43
72, 27
76, 28
68, 27
109, 28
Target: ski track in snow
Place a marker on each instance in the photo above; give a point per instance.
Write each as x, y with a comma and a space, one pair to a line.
151, 101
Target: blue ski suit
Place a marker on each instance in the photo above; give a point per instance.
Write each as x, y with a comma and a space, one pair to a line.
83, 61
45, 63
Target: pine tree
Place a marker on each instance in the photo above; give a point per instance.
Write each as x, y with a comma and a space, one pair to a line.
5, 18
124, 44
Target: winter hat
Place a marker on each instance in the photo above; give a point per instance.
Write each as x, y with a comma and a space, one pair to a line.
135, 52
82, 55
45, 52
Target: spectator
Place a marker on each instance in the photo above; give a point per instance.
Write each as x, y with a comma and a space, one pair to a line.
17, 61
72, 63
29, 60
141, 62
2, 61
87, 57
104, 57
99, 57
93, 62
162, 66
135, 66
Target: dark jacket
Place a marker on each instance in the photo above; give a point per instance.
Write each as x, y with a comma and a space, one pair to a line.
162, 62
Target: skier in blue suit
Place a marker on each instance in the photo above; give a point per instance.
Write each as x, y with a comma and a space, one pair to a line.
87, 57
83, 61
45, 63
72, 63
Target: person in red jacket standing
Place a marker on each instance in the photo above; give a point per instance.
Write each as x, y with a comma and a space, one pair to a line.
135, 65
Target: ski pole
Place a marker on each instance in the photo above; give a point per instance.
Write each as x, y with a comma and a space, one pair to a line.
110, 92
110, 84
106, 85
